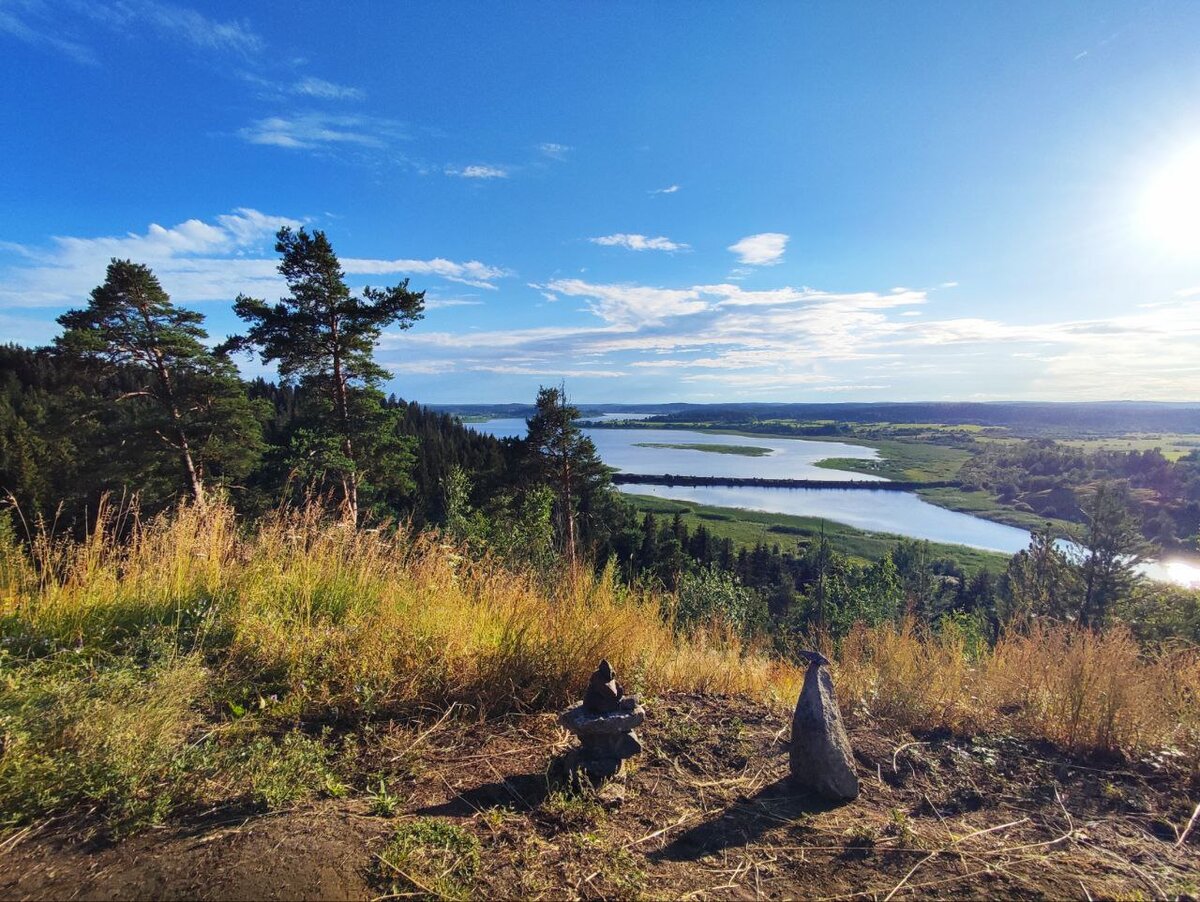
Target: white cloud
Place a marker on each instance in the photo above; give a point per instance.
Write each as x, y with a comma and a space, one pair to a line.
310, 131
764, 249
479, 172
26, 25
327, 90
188, 25
670, 189
472, 272
639, 242
195, 260
631, 304
554, 151
440, 303
54, 25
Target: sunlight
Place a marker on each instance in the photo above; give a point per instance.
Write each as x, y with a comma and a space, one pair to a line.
1170, 208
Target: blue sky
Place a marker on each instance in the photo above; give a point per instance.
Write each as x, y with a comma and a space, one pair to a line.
667, 201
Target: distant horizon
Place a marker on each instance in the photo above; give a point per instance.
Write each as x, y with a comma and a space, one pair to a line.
996, 202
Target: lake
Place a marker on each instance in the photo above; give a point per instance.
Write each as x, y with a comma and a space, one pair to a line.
900, 513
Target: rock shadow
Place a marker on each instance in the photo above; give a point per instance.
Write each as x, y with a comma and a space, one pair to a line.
520, 792
743, 822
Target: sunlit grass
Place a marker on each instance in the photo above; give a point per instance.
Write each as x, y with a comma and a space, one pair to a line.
174, 666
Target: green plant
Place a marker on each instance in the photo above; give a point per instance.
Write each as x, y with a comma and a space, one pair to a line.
575, 811
432, 856
383, 802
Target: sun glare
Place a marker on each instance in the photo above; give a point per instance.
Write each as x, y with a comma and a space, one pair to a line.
1170, 209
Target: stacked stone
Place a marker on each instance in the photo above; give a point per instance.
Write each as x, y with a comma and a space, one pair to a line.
604, 723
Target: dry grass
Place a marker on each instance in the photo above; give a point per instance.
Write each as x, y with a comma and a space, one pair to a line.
298, 620
1081, 690
332, 619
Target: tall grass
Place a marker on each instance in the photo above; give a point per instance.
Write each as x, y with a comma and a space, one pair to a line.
1082, 690
125, 663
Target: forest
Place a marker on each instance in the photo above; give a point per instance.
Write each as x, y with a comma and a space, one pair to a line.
131, 404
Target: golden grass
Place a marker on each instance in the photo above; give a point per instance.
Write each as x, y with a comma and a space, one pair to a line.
1084, 691
320, 621
343, 621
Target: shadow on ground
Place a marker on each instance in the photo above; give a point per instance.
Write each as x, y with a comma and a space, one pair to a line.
521, 792
742, 823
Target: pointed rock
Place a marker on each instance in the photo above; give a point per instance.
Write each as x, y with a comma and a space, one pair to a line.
821, 758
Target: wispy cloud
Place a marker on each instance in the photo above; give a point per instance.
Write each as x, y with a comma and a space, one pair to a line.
763, 249
310, 131
776, 342
326, 90
479, 171
55, 26
553, 150
196, 260
639, 242
472, 272
186, 24
670, 189
29, 23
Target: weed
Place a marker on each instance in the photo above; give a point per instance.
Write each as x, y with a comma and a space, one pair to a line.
573, 811
430, 856
384, 803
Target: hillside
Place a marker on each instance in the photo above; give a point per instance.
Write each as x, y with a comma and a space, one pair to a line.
708, 813
205, 708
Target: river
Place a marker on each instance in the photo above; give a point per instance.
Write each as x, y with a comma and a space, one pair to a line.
900, 513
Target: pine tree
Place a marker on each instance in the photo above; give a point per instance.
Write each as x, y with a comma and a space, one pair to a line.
183, 397
1113, 546
561, 455
324, 337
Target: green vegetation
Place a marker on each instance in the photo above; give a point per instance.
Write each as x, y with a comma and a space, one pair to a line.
979, 503
302, 580
430, 857
905, 461
747, 528
743, 450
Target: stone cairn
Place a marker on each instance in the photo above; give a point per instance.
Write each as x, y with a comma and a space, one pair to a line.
821, 758
604, 723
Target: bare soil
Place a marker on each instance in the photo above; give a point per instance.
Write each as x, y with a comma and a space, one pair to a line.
708, 813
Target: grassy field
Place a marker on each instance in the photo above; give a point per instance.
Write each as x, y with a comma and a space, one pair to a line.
981, 504
1172, 445
747, 528
742, 450
904, 461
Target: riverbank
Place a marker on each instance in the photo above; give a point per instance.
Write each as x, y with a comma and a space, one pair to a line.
747, 528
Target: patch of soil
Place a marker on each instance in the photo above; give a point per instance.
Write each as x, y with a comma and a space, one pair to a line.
707, 812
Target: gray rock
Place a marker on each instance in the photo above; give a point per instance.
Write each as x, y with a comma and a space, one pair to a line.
604, 723
603, 693
582, 722
821, 758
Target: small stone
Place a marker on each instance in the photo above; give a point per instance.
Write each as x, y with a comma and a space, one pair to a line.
821, 758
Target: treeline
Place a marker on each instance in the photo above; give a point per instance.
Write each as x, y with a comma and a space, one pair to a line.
1028, 418
131, 399
65, 441
792, 591
1054, 480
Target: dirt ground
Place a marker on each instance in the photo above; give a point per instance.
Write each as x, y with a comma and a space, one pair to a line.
707, 813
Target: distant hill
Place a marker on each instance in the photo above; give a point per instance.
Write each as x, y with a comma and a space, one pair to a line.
1031, 418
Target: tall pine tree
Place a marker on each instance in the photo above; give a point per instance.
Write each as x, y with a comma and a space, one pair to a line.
181, 399
324, 337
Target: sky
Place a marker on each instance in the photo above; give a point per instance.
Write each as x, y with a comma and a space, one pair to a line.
648, 202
